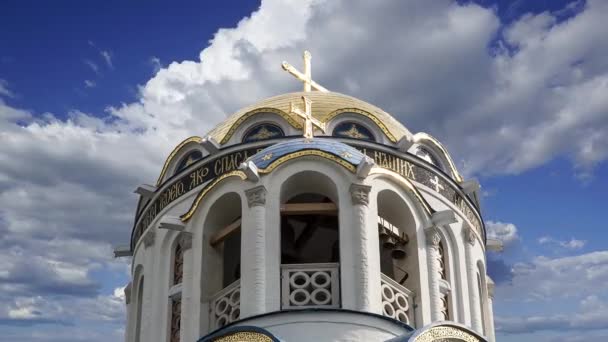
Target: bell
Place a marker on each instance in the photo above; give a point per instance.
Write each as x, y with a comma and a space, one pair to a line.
383, 234
389, 243
398, 253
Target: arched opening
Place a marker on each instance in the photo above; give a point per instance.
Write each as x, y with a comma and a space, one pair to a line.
353, 130
189, 159
140, 299
398, 250
263, 131
398, 256
222, 258
310, 243
483, 297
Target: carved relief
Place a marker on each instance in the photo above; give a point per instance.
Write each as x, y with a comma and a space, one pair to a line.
256, 196
360, 193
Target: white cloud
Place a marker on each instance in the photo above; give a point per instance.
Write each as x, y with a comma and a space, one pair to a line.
89, 84
539, 93
105, 54
107, 57
4, 90
505, 232
92, 65
570, 244
545, 278
591, 314
156, 64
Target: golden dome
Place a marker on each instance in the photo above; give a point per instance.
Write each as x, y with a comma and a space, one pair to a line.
325, 106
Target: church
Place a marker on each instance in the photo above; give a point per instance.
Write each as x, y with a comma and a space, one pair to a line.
309, 216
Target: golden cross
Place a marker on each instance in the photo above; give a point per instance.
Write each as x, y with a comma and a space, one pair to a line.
309, 121
305, 77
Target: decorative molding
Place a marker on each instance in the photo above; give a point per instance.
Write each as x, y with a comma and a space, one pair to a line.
171, 223
185, 240
172, 155
365, 167
446, 333
127, 290
256, 196
443, 218
149, 238
145, 190
359, 193
490, 285
210, 145
251, 170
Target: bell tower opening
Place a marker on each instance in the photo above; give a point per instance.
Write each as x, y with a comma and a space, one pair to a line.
309, 230
310, 242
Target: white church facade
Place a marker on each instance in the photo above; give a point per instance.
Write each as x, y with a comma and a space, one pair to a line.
309, 216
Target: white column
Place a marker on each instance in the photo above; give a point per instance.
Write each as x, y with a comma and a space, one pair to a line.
469, 242
253, 253
432, 253
129, 309
491, 334
148, 306
187, 326
366, 266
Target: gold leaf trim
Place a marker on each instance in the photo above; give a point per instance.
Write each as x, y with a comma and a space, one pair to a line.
185, 217
172, 155
299, 154
247, 115
244, 337
367, 114
418, 137
406, 182
444, 333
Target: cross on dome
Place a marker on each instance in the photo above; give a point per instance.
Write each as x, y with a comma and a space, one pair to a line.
309, 121
305, 77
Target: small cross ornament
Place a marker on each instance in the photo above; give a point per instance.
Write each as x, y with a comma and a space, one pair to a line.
435, 182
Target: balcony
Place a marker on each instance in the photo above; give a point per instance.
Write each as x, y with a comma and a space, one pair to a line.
310, 286
397, 301
226, 305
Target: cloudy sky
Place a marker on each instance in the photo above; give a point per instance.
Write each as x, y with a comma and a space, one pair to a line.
94, 96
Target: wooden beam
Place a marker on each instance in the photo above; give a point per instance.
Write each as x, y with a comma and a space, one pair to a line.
309, 209
223, 233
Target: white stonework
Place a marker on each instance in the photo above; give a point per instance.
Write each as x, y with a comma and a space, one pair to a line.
256, 207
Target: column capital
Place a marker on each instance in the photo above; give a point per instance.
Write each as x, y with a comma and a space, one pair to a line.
469, 235
359, 193
256, 196
432, 236
149, 238
185, 240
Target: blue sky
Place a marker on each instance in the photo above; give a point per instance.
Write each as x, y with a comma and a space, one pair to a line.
94, 96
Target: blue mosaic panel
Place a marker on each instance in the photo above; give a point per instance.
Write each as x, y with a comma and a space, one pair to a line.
265, 157
188, 160
263, 131
353, 130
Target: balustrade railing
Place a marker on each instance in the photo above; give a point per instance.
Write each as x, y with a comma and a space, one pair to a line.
310, 286
397, 301
226, 305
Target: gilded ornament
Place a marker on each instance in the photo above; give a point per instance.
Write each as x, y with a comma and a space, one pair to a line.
267, 156
243, 336
263, 133
354, 133
299, 154
443, 333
